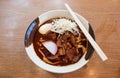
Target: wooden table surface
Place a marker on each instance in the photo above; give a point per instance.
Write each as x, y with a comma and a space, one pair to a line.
16, 15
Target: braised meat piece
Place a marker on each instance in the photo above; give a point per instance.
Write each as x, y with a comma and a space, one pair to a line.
61, 51
72, 40
59, 43
76, 58
70, 53
51, 36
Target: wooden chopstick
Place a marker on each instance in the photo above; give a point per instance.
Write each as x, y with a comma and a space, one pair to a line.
88, 36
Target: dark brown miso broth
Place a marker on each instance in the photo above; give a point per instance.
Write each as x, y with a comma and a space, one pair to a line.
71, 47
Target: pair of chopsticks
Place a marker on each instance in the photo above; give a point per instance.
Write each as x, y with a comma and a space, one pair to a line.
88, 36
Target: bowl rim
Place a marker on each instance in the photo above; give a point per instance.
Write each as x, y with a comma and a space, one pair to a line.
55, 69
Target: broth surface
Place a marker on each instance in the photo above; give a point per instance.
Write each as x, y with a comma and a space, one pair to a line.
70, 46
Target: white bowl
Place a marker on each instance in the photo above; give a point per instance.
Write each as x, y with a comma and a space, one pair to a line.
32, 54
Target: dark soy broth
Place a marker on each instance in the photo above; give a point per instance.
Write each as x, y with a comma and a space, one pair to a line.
70, 46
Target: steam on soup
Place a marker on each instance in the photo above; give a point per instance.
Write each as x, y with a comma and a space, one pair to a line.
60, 42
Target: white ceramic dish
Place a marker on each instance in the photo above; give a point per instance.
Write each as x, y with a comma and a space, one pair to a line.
31, 52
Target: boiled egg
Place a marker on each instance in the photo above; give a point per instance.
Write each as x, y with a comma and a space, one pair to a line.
45, 28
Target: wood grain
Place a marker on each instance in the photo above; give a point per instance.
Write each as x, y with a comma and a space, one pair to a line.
16, 15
